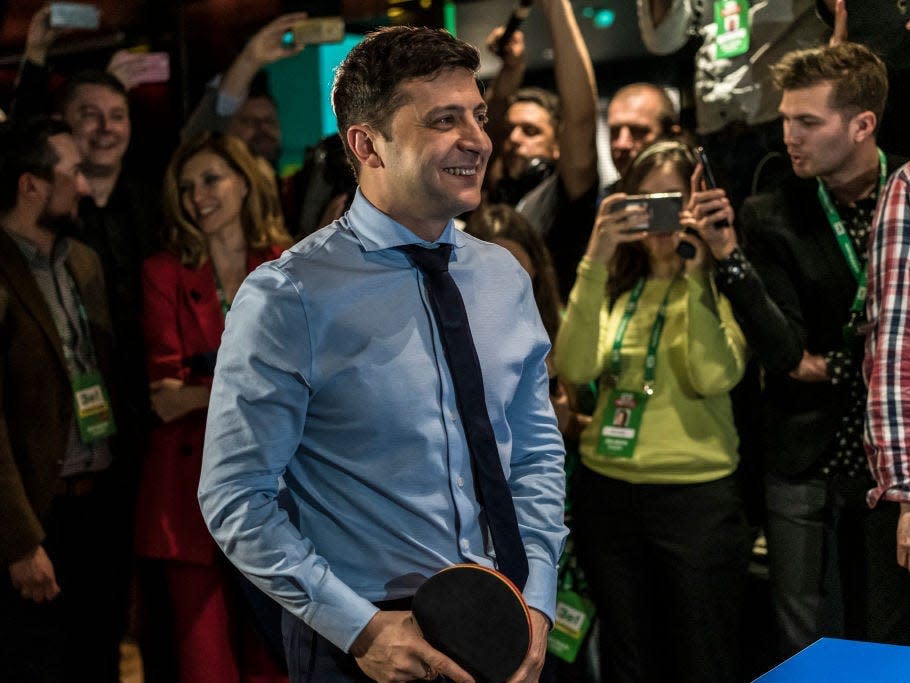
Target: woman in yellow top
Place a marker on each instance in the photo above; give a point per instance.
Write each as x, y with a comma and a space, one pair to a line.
661, 532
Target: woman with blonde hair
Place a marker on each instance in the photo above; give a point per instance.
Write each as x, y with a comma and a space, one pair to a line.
223, 220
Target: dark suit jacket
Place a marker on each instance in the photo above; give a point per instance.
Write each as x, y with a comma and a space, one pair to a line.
183, 324
37, 399
799, 299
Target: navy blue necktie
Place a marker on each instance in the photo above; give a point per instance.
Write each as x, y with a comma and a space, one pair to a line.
493, 490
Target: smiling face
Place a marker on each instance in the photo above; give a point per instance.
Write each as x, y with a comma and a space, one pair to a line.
819, 139
100, 120
431, 167
212, 193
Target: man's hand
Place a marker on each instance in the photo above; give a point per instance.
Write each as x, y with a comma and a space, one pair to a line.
903, 537
266, 45
391, 648
529, 671
33, 576
512, 53
839, 9
811, 368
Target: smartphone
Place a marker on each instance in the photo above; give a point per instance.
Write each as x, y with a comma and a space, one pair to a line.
663, 211
142, 67
74, 15
710, 180
314, 32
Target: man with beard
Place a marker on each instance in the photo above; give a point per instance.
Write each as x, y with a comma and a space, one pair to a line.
59, 531
546, 143
120, 217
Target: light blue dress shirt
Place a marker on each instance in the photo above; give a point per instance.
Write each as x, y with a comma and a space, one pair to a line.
331, 375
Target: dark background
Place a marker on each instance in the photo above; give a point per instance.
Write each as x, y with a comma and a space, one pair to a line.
203, 37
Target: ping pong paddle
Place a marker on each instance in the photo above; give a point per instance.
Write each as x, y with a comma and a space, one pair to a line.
477, 617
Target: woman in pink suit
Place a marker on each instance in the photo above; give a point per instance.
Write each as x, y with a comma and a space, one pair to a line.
224, 219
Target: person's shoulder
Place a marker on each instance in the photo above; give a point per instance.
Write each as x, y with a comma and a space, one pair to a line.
783, 202
82, 255
899, 168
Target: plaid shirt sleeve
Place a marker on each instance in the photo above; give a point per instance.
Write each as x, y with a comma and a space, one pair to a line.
886, 367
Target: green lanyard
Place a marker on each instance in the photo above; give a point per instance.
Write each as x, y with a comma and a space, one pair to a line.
225, 306
843, 239
653, 339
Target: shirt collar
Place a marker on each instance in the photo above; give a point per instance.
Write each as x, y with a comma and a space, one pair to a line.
33, 255
377, 231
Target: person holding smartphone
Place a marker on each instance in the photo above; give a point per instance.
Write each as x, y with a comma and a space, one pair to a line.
663, 541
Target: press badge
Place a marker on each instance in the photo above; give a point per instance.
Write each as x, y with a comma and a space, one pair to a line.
622, 420
574, 614
732, 20
93, 408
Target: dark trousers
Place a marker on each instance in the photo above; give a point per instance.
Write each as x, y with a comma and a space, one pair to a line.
76, 636
311, 658
833, 563
667, 565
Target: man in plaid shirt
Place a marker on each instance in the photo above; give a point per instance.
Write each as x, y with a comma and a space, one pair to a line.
887, 363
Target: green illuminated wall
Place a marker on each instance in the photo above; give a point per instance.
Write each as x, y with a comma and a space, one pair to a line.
302, 88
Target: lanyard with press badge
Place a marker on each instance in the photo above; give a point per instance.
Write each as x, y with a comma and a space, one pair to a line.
846, 244
90, 398
624, 408
225, 306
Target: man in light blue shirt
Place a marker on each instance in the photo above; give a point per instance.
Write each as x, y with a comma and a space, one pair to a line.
331, 374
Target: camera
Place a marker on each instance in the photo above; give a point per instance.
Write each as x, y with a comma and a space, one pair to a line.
314, 32
662, 208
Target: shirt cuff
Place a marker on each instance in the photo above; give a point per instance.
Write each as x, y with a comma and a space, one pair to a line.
840, 364
735, 268
540, 589
227, 105
897, 494
341, 620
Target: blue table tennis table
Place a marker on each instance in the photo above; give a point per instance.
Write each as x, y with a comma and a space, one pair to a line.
833, 660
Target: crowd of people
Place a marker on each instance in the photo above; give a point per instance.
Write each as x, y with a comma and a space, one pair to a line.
245, 417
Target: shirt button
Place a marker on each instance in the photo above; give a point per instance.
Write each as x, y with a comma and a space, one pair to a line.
465, 544
453, 415
460, 482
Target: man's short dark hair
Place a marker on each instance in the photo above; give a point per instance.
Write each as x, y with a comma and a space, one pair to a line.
366, 88
549, 101
24, 148
858, 78
88, 77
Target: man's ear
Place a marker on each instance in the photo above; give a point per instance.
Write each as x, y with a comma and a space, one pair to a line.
361, 139
864, 125
30, 187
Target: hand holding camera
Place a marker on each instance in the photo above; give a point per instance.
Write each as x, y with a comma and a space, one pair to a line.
614, 225
710, 215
